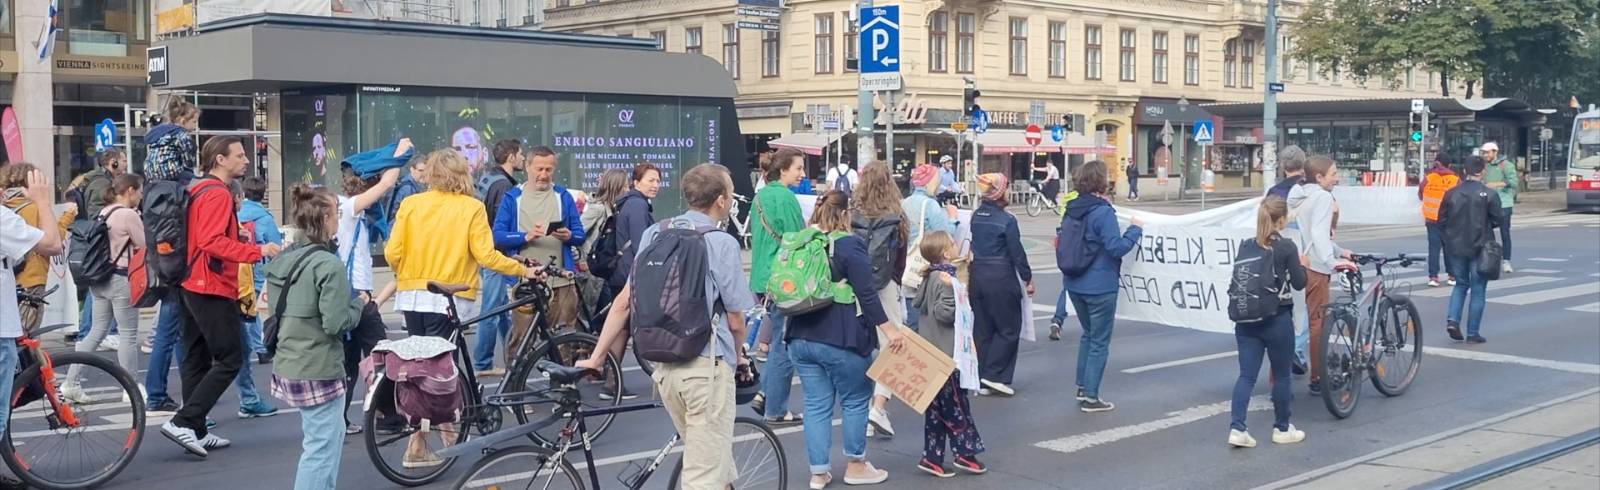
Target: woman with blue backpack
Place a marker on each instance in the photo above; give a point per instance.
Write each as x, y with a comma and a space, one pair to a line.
1266, 271
1090, 256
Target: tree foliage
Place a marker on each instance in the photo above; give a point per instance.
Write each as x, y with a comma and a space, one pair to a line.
1541, 51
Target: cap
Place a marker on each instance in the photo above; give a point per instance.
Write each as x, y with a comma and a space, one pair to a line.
946, 159
1490, 146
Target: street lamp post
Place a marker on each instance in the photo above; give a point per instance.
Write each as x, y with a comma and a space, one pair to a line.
1183, 148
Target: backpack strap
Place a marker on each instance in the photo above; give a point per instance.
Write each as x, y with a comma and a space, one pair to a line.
762, 214
282, 301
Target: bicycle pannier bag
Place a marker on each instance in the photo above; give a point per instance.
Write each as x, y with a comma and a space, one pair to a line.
425, 389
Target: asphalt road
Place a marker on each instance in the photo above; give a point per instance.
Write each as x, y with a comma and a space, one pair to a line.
1170, 386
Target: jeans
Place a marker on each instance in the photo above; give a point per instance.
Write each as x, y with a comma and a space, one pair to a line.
828, 372
253, 342
8, 370
1097, 315
779, 369
321, 445
1505, 232
1275, 337
1435, 246
86, 316
491, 329
248, 396
1302, 332
1133, 187
164, 348
1468, 282
1060, 316
212, 329
911, 310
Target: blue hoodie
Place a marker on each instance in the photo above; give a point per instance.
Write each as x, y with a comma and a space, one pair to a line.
509, 237
266, 231
1106, 269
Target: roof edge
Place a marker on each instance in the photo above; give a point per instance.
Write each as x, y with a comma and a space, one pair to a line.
393, 26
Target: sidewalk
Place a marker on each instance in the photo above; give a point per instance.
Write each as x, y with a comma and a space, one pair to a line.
1442, 455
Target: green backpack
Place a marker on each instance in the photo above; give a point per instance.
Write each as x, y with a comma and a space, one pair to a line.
802, 275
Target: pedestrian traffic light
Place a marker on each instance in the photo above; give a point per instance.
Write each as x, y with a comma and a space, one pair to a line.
1066, 122
969, 101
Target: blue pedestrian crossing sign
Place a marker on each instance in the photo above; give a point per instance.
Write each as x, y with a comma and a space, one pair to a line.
105, 135
980, 121
1058, 133
1203, 133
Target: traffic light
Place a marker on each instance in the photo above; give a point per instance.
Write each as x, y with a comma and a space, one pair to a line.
1416, 125
969, 101
1066, 122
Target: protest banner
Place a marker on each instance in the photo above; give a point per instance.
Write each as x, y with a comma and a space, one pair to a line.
966, 349
915, 372
63, 307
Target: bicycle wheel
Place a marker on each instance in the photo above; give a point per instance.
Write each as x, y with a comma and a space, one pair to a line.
1398, 348
757, 455
565, 349
46, 450
1341, 372
1035, 204
521, 467
387, 441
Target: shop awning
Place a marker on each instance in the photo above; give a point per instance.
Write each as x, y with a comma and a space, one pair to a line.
809, 143
1002, 141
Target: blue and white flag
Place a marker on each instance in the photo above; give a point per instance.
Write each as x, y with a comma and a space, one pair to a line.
47, 36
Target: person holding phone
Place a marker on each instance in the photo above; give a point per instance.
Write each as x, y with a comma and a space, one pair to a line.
540, 220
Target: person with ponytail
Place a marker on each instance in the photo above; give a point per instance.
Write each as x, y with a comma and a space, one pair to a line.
110, 299
949, 417
308, 371
1274, 335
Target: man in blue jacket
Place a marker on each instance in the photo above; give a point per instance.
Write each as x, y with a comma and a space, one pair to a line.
540, 220
1094, 292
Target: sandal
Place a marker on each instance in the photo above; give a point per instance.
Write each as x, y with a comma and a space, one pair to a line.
787, 420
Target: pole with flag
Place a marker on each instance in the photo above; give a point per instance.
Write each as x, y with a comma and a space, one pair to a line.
47, 36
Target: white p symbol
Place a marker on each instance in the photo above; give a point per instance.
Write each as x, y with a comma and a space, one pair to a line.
880, 40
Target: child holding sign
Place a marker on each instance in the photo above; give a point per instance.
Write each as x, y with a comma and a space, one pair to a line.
949, 416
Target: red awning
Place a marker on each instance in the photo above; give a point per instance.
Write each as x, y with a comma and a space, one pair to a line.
1003, 141
808, 143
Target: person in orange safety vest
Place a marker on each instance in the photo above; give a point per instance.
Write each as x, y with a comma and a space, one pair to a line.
1435, 183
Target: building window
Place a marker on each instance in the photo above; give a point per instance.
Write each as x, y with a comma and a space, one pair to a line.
1247, 68
1091, 52
1230, 63
850, 43
661, 39
1019, 46
730, 49
1411, 80
1191, 59
1130, 60
691, 40
1311, 71
824, 43
938, 41
99, 28
769, 54
1285, 47
1158, 58
966, 41
1058, 49
563, 3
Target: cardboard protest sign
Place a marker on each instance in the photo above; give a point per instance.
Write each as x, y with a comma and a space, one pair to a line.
915, 372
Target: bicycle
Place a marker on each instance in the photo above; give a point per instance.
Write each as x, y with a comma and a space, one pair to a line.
741, 223
98, 433
760, 456
385, 442
1369, 335
1037, 202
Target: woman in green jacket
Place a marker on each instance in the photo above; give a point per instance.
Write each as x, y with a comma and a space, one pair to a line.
319, 307
777, 211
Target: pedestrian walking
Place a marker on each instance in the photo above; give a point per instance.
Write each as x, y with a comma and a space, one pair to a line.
1314, 212
948, 419
492, 187
925, 213
255, 216
776, 213
18, 242
1439, 180
251, 404
1274, 335
878, 219
698, 393
310, 283
1133, 180
32, 271
832, 347
540, 220
843, 178
1500, 175
171, 156
111, 298
1093, 292
441, 235
1000, 264
88, 194
1467, 219
212, 325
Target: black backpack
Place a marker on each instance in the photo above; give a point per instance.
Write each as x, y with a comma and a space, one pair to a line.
606, 254
670, 319
1257, 287
1075, 251
89, 251
80, 194
883, 245
165, 210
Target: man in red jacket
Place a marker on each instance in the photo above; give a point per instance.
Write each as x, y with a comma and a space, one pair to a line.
210, 316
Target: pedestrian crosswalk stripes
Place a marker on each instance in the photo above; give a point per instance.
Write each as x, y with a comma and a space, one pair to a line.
1546, 259
1493, 286
1544, 295
1538, 271
1588, 308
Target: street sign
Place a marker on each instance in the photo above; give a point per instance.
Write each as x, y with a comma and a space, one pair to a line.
105, 135
1276, 88
880, 48
980, 121
764, 12
759, 26
1418, 106
1202, 132
958, 126
1058, 133
1166, 133
1032, 134
831, 125
1546, 134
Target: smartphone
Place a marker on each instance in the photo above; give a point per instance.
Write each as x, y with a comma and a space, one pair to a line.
554, 225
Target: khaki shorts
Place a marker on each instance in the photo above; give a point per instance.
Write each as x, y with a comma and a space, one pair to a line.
699, 396
563, 311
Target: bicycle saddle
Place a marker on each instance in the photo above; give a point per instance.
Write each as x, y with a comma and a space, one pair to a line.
447, 289
562, 374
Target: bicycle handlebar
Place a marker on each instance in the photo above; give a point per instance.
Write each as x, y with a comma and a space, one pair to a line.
23, 296
1404, 260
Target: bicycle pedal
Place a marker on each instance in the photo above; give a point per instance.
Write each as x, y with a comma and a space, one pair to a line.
633, 472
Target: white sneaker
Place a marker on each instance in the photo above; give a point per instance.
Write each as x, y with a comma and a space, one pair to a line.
110, 343
879, 419
1452, 281
1433, 283
183, 437
1000, 388
1290, 436
1506, 268
148, 345
211, 441
1239, 438
73, 393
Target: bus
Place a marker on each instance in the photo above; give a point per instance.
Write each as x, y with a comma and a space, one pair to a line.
1583, 162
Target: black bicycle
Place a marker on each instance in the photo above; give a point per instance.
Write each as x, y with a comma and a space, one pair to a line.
757, 453
1372, 333
388, 439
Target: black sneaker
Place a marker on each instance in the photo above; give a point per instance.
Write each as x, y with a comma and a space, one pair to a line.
1299, 368
1476, 339
971, 465
1316, 388
1081, 396
1454, 330
935, 469
166, 406
1093, 405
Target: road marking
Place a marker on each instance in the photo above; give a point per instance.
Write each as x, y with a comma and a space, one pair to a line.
1493, 285
1545, 259
1179, 362
1539, 271
1472, 355
1588, 308
1549, 294
1072, 444
1308, 476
